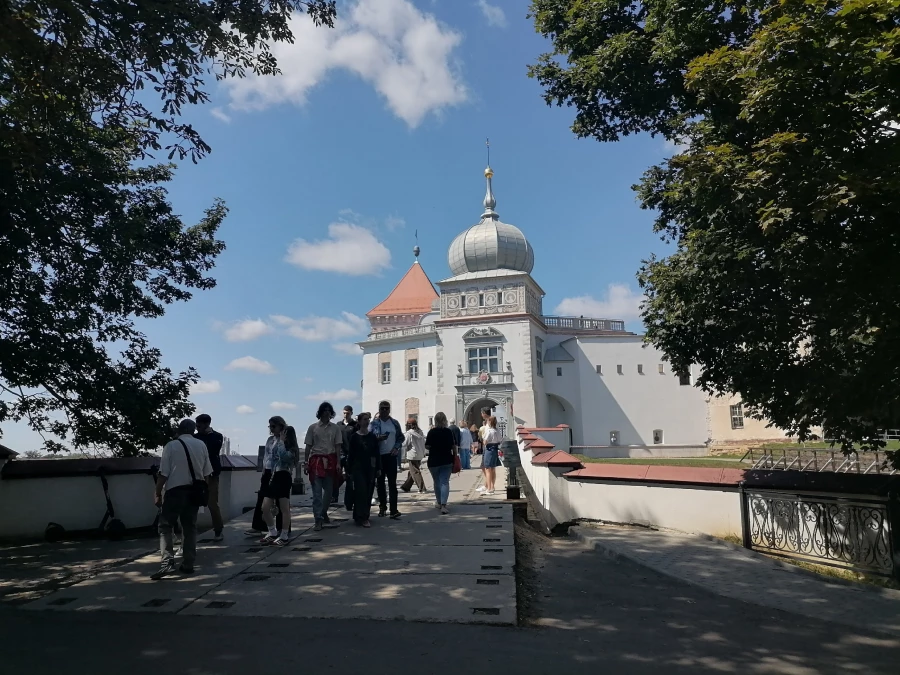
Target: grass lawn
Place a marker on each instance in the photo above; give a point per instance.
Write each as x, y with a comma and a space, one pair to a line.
699, 462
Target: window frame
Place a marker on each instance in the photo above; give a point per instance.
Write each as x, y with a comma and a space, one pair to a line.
735, 413
412, 365
486, 359
385, 370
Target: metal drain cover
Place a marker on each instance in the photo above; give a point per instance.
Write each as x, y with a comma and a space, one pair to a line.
486, 610
487, 582
156, 602
219, 604
59, 602
256, 577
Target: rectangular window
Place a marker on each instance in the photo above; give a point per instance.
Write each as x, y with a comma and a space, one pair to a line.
619, 369
430, 422
539, 356
737, 416
484, 358
430, 369
385, 373
684, 379
481, 299
462, 301
413, 369
662, 369
558, 371
640, 369
599, 370
413, 416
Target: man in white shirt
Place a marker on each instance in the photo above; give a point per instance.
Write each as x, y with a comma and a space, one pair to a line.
178, 458
324, 441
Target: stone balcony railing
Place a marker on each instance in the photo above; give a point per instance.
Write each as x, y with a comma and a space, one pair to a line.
479, 379
412, 331
581, 323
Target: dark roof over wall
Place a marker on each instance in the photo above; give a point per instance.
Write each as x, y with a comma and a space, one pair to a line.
7, 453
111, 466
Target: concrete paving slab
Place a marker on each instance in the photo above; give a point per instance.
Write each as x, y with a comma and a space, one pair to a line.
397, 533
131, 590
386, 559
338, 594
459, 513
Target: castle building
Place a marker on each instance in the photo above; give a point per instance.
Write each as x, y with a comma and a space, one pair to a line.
482, 340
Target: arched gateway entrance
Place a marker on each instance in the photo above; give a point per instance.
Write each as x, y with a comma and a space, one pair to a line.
473, 413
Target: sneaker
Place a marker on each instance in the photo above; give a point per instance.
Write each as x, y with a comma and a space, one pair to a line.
268, 539
166, 568
481, 488
444, 511
366, 523
318, 526
382, 513
280, 541
186, 569
218, 536
487, 493
437, 505
395, 515
252, 533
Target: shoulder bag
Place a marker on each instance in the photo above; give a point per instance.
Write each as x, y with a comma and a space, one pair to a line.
199, 488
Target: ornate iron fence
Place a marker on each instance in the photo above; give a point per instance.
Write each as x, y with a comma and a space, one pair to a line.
843, 520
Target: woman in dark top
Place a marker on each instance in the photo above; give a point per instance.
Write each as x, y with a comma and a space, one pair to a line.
441, 448
363, 466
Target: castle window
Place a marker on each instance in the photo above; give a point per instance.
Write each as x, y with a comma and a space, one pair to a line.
640, 369
619, 369
737, 416
385, 373
413, 369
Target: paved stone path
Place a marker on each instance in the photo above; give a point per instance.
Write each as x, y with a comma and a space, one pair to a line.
734, 572
425, 566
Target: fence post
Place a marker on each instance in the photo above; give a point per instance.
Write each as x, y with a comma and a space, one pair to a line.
745, 517
893, 513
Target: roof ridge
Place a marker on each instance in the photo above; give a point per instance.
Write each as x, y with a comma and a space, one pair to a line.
413, 294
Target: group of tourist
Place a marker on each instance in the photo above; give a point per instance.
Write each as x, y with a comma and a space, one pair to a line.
364, 453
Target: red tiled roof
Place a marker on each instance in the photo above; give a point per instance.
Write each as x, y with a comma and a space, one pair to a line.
561, 426
528, 437
413, 295
659, 474
557, 458
540, 444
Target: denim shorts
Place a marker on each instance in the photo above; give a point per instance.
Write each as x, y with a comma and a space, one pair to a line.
491, 456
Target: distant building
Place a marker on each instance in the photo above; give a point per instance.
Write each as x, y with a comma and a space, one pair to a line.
483, 340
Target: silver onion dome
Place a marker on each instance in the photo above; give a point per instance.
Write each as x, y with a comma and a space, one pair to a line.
491, 244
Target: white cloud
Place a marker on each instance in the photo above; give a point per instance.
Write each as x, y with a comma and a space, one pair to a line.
281, 405
350, 348
339, 395
406, 54
322, 328
394, 223
620, 303
253, 364
206, 387
493, 14
349, 249
220, 114
247, 330
244, 410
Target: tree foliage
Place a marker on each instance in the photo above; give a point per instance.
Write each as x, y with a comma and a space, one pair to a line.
782, 202
90, 92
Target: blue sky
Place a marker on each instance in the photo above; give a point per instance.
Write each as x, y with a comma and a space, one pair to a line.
376, 130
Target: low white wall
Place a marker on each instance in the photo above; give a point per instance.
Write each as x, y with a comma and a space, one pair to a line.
77, 503
695, 509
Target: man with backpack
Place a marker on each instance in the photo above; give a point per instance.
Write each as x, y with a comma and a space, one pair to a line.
184, 464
